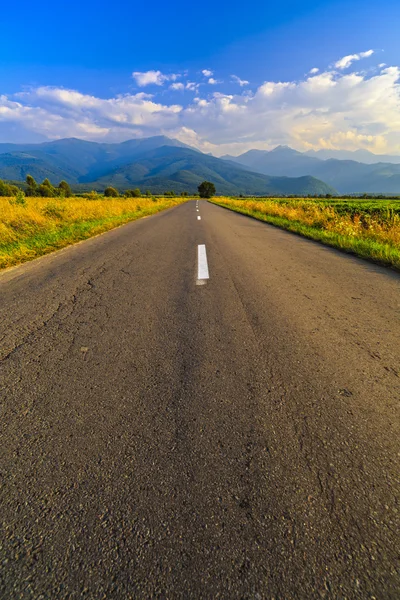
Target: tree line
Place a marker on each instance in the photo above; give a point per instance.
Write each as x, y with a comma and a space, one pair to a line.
206, 190
46, 190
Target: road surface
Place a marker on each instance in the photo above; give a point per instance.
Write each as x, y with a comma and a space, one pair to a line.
165, 435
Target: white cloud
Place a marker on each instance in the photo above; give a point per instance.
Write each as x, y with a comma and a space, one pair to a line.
207, 72
213, 81
177, 86
328, 109
241, 82
192, 86
346, 61
313, 71
153, 78
58, 112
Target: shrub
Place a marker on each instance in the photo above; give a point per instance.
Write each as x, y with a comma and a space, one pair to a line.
92, 195
20, 198
54, 210
136, 193
111, 192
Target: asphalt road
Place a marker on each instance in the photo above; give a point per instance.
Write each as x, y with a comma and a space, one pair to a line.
164, 439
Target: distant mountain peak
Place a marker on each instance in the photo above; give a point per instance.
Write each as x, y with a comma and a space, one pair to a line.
284, 150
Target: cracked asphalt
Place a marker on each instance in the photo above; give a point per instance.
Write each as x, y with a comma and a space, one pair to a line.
238, 439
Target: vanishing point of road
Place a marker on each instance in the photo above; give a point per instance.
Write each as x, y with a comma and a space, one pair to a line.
199, 408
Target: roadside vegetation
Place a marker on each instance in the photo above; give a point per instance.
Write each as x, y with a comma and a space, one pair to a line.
31, 226
365, 227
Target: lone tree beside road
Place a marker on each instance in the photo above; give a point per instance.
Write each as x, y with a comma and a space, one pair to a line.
206, 189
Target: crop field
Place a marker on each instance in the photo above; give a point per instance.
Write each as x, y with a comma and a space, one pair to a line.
37, 226
367, 228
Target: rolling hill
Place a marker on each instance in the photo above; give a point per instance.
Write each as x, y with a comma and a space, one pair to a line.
156, 163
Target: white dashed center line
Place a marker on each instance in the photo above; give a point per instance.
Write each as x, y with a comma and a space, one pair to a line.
202, 265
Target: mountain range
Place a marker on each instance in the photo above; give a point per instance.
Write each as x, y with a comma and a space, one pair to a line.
362, 156
157, 163
347, 176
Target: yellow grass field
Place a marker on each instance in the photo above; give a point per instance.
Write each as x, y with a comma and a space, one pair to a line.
370, 229
43, 225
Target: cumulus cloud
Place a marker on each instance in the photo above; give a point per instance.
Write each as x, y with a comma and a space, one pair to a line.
207, 72
241, 82
328, 109
313, 71
152, 78
58, 112
213, 81
177, 86
347, 61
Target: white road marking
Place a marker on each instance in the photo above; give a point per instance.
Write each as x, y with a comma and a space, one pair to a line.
202, 265
198, 217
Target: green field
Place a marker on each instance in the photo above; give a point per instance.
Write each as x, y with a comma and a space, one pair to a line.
367, 206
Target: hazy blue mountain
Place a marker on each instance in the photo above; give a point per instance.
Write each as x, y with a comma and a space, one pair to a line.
82, 162
347, 176
182, 169
276, 159
157, 163
363, 156
78, 159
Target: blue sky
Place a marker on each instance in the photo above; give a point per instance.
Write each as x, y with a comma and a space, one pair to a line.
93, 48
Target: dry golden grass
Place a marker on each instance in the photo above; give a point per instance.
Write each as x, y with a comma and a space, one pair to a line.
46, 224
